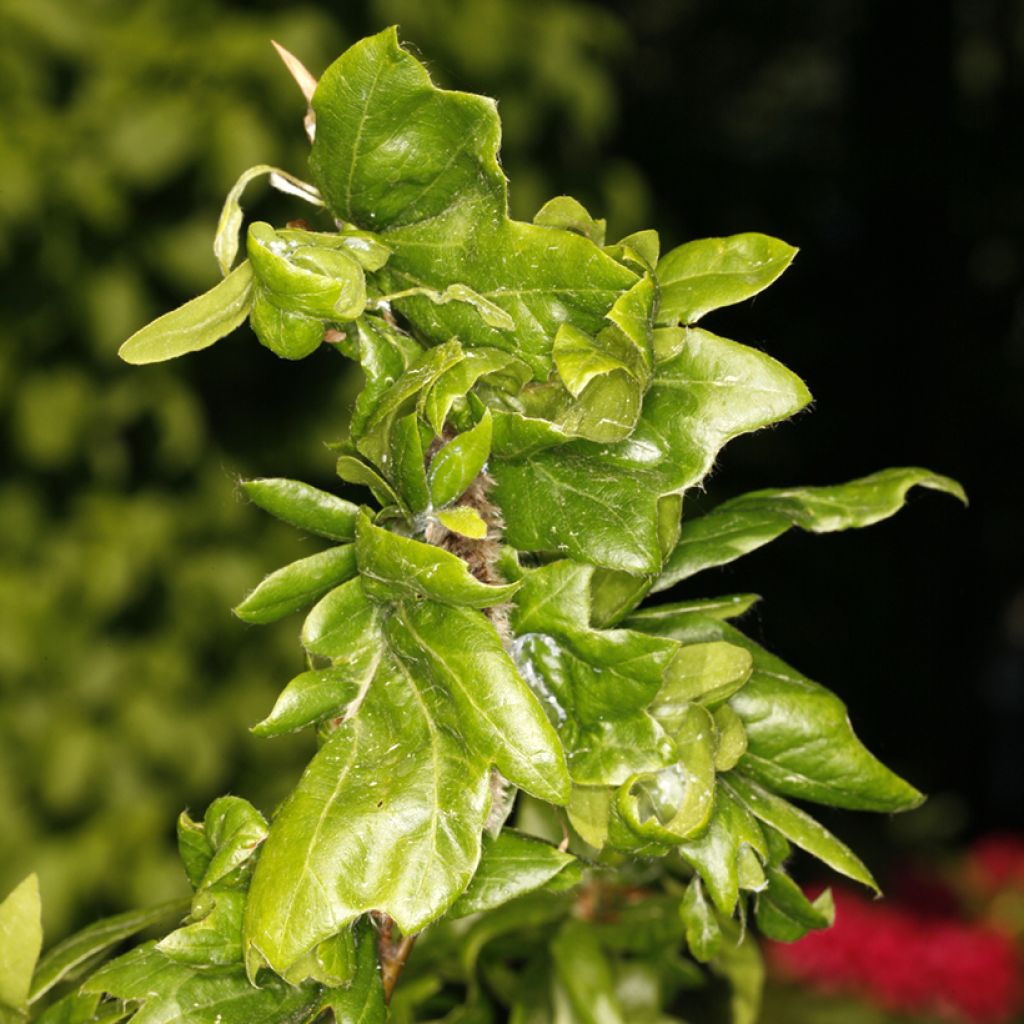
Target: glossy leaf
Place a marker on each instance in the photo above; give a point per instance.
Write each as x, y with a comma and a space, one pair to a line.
234, 829
703, 934
571, 215
437, 195
499, 715
716, 853
408, 568
21, 938
706, 672
800, 741
306, 507
601, 501
197, 325
73, 954
345, 625
298, 585
458, 463
785, 914
213, 938
800, 828
405, 468
701, 276
362, 1000
511, 865
484, 364
313, 696
225, 242
746, 523
395, 779
175, 992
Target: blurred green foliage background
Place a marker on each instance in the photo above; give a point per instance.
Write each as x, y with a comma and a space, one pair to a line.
873, 134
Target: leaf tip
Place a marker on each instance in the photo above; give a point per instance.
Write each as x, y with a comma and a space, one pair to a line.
300, 73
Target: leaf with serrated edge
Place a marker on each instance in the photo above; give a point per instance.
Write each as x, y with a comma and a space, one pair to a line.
196, 325
709, 273
419, 165
600, 502
500, 716
511, 865
800, 741
297, 585
397, 780
411, 568
744, 524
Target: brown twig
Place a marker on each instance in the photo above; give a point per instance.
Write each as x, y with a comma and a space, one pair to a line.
392, 954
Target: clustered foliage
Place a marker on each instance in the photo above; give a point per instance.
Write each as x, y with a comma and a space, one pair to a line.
536, 404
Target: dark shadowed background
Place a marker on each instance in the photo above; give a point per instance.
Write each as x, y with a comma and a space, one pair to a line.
882, 138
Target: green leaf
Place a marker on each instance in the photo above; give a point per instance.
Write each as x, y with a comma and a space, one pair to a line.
313, 696
746, 523
705, 672
499, 716
373, 438
464, 521
344, 626
396, 779
407, 567
730, 606
196, 325
703, 934
732, 738
707, 274
194, 848
298, 585
418, 164
21, 938
571, 215
225, 242
491, 314
800, 741
599, 503
213, 938
234, 829
597, 692
306, 273
715, 855
586, 975
306, 507
785, 914
354, 470
675, 803
739, 963
800, 828
75, 953
554, 599
459, 462
175, 992
406, 469
511, 865
362, 1001
483, 364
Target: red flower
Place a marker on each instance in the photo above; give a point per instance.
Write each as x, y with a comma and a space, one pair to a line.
907, 963
996, 862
